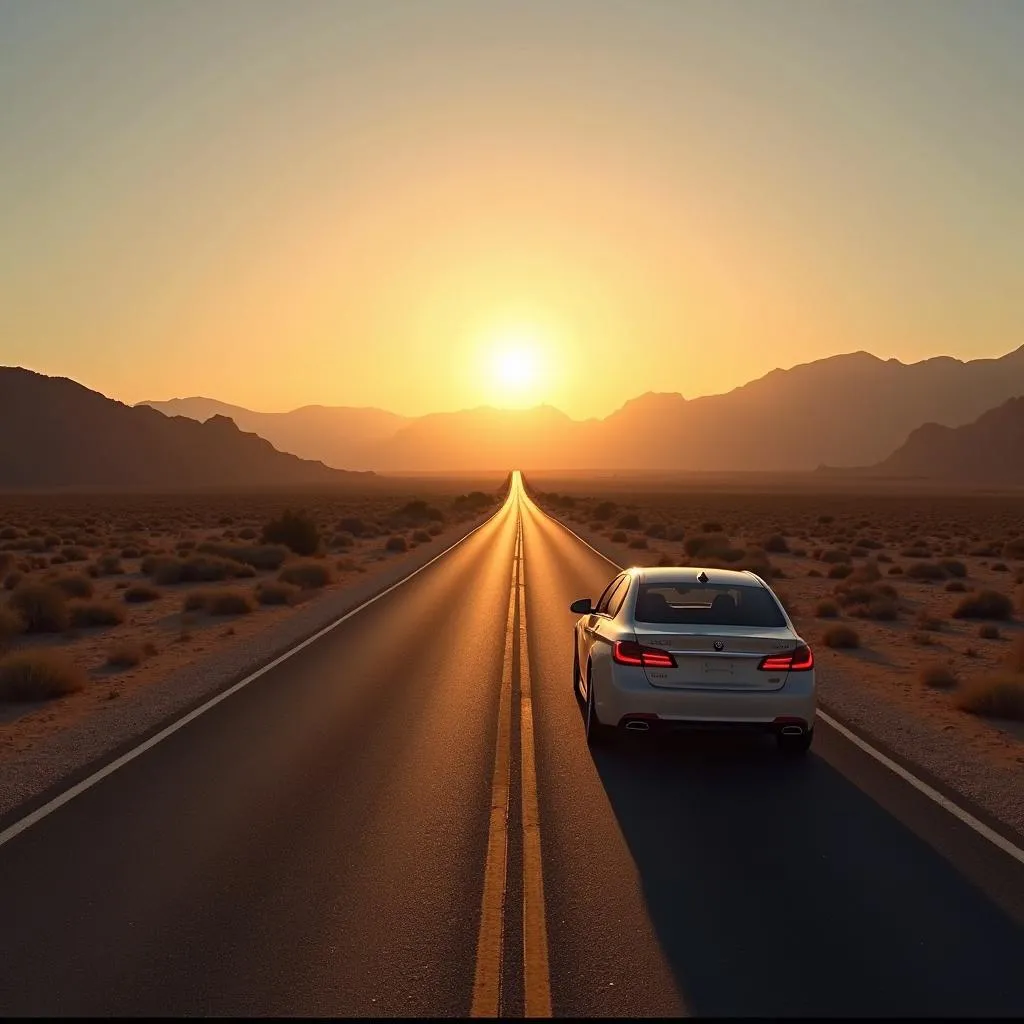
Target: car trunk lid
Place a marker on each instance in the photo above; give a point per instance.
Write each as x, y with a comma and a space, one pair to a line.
716, 658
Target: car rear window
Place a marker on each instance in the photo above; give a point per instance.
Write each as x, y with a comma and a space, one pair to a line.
707, 604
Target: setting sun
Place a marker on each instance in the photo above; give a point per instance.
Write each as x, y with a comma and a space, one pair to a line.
517, 368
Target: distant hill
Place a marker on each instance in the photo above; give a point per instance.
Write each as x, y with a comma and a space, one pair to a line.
340, 436
846, 410
57, 433
990, 450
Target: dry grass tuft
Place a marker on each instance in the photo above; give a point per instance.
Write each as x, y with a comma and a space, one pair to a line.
220, 601
938, 677
140, 593
841, 637
42, 607
126, 654
38, 675
87, 614
271, 592
987, 604
827, 609
310, 574
996, 696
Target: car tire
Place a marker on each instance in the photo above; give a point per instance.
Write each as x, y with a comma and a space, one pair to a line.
796, 746
598, 734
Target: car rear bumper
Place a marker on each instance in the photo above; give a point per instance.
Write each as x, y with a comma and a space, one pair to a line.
628, 696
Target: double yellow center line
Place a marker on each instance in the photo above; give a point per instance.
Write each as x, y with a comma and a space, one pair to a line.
490, 942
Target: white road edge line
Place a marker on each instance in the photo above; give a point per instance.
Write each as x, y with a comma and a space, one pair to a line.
934, 795
108, 769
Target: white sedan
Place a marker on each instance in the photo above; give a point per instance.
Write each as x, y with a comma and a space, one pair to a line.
678, 648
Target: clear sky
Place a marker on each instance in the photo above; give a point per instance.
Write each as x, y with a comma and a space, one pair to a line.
432, 204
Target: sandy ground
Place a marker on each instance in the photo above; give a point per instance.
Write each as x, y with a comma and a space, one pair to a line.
876, 690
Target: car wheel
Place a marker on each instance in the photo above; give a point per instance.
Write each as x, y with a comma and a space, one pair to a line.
598, 734
796, 745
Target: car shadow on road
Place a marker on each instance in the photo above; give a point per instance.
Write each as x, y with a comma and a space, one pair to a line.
776, 887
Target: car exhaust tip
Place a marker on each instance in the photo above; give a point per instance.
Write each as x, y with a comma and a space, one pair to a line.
638, 725
792, 730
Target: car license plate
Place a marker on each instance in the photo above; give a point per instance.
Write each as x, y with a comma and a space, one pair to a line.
718, 666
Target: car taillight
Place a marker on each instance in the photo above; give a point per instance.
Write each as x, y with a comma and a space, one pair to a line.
800, 659
626, 652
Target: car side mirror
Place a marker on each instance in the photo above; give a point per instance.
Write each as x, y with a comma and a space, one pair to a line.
582, 606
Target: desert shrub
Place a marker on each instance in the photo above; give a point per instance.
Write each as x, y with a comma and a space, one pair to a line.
986, 604
988, 632
814, 572
42, 607
956, 586
926, 571
776, 544
638, 542
988, 550
342, 539
835, 556
396, 542
277, 592
1000, 695
656, 531
309, 574
825, 520
630, 521
619, 536
353, 525
925, 620
74, 553
917, 551
262, 557
220, 601
665, 560
1000, 567
74, 585
953, 567
295, 529
12, 579
707, 544
1014, 548
922, 637
840, 571
38, 675
827, 609
87, 614
139, 593
604, 510
200, 568
109, 565
841, 637
10, 622
434, 529
711, 527
420, 536
866, 572
938, 677
895, 570
126, 654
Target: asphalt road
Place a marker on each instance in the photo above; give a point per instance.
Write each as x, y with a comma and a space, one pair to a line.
334, 839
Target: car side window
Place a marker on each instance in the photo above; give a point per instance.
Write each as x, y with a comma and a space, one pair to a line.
618, 596
601, 608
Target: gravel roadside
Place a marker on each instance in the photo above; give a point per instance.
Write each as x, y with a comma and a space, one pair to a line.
36, 775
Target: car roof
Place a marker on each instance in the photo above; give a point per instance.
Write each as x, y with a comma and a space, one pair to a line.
689, 574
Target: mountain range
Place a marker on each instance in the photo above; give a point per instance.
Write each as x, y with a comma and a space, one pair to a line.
56, 433
845, 410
